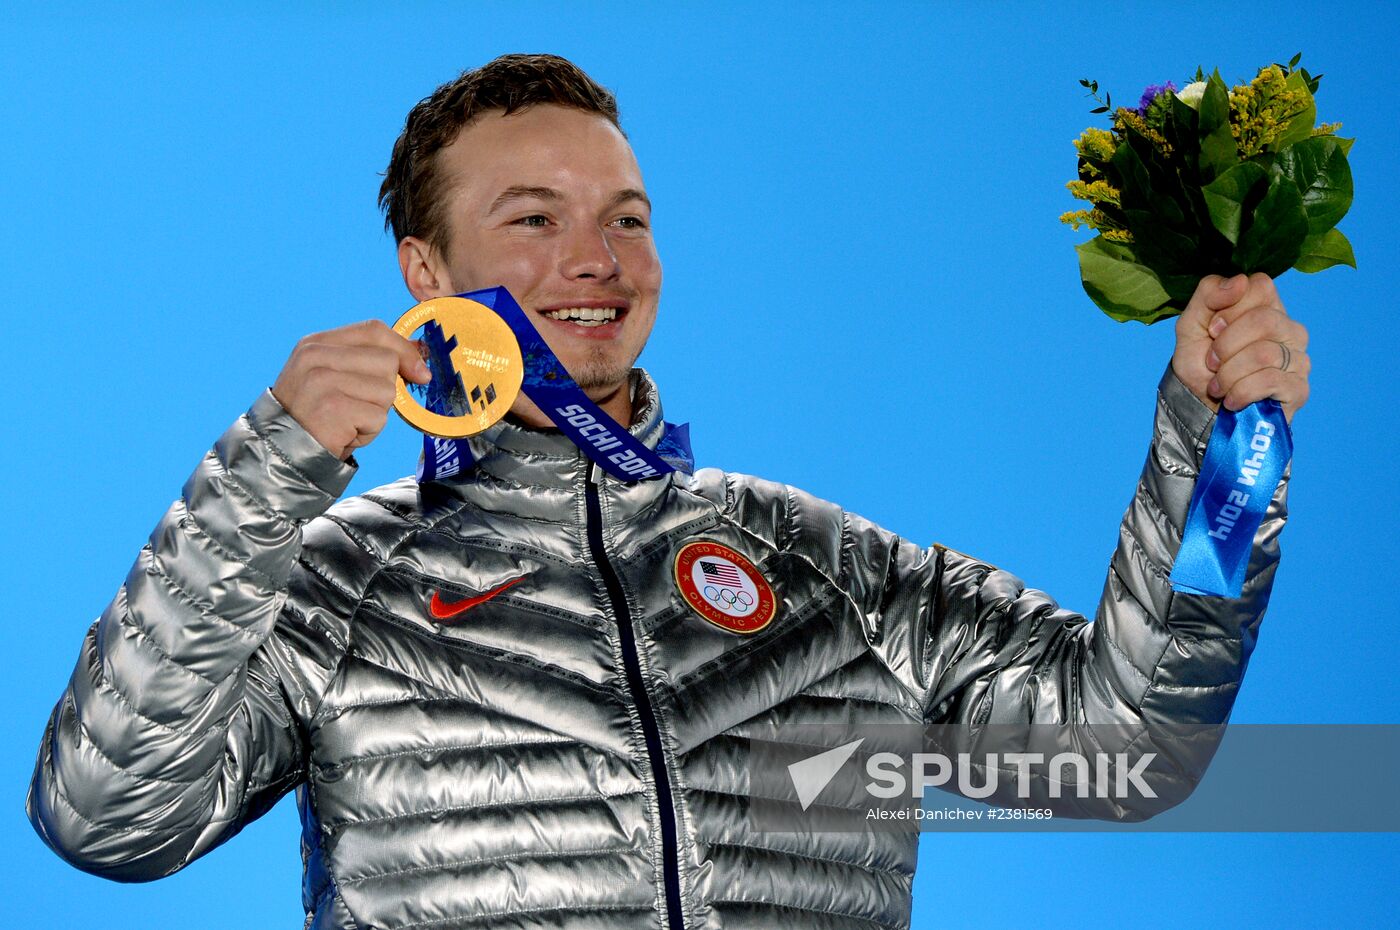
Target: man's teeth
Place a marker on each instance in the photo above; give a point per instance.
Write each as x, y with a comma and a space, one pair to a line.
585, 316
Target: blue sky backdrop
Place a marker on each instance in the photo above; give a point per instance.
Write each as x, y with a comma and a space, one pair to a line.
867, 295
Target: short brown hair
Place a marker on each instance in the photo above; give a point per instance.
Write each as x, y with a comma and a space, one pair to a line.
413, 193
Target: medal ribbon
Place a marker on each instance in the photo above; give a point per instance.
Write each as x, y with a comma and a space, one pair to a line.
601, 438
1244, 462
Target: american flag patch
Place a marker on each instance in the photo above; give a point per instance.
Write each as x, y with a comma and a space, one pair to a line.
723, 587
721, 574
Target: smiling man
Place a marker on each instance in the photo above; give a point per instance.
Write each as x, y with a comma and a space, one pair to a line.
507, 697
549, 203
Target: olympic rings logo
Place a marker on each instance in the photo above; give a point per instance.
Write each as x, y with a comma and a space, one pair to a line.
724, 597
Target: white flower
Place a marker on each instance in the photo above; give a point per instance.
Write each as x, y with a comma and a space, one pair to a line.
1191, 94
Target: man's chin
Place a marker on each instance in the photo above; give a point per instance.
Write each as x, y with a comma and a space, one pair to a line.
604, 384
598, 377
610, 394
610, 389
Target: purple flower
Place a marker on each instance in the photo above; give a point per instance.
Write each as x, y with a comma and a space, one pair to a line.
1151, 94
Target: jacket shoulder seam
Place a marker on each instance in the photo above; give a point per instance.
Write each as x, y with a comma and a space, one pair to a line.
786, 531
717, 511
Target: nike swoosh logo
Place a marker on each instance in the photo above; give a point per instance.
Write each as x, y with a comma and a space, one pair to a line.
441, 610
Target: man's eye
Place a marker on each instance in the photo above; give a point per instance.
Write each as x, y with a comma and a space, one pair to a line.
630, 222
534, 219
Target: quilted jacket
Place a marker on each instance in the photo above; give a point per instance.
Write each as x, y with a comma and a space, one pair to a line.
569, 751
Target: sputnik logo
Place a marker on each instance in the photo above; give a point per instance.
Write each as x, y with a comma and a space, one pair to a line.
814, 773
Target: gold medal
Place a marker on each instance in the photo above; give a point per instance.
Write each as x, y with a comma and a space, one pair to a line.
483, 353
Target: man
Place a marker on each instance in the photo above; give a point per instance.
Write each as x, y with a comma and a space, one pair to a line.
495, 703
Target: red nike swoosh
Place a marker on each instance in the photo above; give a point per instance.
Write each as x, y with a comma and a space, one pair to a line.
442, 610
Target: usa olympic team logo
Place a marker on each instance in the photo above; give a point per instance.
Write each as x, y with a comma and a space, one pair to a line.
723, 587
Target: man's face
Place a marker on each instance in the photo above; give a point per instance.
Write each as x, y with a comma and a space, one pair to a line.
549, 203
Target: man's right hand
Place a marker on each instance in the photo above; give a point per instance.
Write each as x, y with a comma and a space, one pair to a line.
340, 384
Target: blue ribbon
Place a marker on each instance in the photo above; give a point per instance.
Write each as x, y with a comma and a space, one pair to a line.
556, 393
1244, 462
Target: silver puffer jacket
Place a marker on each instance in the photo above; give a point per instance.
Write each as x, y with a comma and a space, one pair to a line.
567, 753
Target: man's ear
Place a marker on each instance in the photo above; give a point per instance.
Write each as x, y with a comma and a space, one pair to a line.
423, 269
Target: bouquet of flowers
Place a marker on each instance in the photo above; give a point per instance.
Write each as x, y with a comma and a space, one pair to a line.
1208, 180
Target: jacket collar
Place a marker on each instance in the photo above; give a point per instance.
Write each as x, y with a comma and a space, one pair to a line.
541, 474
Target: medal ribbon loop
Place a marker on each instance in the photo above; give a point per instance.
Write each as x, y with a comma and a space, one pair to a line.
555, 392
1244, 462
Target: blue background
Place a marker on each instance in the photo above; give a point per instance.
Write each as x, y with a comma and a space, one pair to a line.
868, 295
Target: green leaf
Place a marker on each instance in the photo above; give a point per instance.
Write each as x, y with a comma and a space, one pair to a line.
1136, 187
1162, 248
1158, 207
1325, 250
1227, 196
1218, 150
1215, 105
1183, 122
1180, 287
1218, 153
1121, 287
1148, 180
1272, 238
1344, 143
1319, 168
1301, 126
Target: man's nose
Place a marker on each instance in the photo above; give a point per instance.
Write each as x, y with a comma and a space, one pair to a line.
589, 254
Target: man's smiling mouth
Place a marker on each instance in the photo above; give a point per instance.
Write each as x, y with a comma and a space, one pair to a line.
586, 316
600, 317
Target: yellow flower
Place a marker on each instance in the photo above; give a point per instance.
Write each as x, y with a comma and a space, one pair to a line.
1125, 118
1096, 219
1096, 145
1094, 191
1077, 218
1261, 110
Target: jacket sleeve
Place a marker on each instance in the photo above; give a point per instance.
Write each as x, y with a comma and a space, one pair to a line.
178, 725
1000, 666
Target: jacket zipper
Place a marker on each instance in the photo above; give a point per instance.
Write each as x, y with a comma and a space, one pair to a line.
670, 864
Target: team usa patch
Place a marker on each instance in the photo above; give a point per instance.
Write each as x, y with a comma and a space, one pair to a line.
723, 587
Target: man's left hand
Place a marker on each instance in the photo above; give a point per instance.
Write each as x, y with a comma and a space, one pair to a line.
1235, 344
